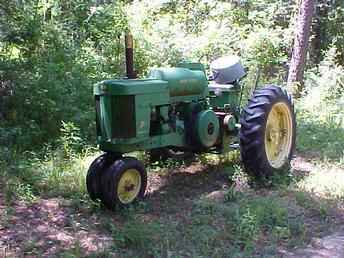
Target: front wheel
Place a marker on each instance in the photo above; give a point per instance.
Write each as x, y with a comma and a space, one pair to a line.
124, 182
268, 131
94, 173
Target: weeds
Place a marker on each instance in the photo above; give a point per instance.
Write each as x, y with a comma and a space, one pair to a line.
323, 136
231, 194
247, 229
136, 235
30, 247
54, 172
75, 252
51, 177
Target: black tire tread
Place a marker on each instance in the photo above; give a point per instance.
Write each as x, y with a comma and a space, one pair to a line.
253, 123
111, 177
96, 169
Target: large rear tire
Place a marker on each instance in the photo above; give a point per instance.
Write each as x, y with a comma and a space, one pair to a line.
268, 131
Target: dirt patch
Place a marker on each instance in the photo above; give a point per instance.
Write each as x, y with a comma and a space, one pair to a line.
178, 188
46, 228
303, 164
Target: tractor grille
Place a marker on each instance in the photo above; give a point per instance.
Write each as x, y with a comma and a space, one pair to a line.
98, 128
123, 117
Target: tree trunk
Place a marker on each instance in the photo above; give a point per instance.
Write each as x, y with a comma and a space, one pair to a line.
301, 39
319, 32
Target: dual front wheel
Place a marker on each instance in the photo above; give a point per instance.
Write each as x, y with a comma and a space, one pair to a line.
115, 180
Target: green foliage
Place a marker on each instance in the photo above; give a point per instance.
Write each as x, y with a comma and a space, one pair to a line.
268, 212
241, 223
239, 185
330, 14
247, 228
70, 139
231, 194
51, 53
320, 112
57, 173
14, 189
137, 235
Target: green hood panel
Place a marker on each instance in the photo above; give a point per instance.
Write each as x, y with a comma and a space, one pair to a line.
182, 81
130, 87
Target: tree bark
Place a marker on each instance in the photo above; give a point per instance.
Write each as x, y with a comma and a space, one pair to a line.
301, 40
319, 32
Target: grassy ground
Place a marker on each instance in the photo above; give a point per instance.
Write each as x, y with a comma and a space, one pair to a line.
209, 208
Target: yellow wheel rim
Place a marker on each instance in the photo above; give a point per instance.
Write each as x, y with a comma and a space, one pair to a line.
278, 135
129, 186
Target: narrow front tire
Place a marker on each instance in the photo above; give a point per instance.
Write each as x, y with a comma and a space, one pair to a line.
94, 173
124, 182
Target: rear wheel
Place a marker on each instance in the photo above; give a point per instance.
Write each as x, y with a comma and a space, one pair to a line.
268, 131
123, 183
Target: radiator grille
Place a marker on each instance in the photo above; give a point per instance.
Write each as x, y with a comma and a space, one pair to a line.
98, 128
123, 117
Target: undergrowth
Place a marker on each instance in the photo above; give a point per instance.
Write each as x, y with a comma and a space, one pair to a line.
51, 172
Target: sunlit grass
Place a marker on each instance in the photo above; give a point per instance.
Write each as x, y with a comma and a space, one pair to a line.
52, 175
320, 134
320, 117
64, 178
326, 182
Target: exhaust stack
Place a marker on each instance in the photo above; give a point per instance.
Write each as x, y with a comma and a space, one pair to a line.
129, 56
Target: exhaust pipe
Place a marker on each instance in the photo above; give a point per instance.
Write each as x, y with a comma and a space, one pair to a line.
129, 56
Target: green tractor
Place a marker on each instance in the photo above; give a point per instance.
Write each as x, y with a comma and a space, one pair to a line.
178, 110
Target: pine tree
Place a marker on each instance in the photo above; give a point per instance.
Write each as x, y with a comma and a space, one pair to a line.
301, 40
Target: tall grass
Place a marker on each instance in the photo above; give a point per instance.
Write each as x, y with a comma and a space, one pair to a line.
50, 176
58, 171
320, 114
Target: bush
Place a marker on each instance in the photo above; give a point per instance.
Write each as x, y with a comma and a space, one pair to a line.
320, 111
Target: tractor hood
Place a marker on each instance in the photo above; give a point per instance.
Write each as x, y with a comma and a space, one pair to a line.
130, 87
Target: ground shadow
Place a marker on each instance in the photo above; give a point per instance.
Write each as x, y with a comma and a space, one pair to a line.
179, 187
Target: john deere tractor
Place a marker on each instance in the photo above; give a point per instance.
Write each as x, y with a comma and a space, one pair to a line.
179, 110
